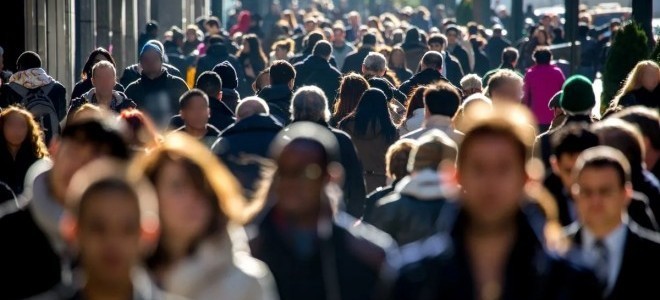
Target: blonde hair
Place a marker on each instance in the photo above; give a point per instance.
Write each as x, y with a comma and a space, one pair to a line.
104, 64
633, 81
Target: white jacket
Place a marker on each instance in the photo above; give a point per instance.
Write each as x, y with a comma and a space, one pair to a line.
413, 123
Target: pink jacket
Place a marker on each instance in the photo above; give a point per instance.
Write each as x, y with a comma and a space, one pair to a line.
541, 83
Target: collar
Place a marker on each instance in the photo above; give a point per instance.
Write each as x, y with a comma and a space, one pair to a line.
614, 241
437, 121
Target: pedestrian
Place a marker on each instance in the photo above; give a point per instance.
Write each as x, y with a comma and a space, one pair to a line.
505, 86
350, 91
218, 52
141, 131
454, 38
451, 67
641, 86
648, 123
471, 84
414, 111
509, 60
229, 79
195, 112
496, 45
413, 47
430, 72
251, 57
103, 92
397, 63
354, 60
341, 48
134, 71
317, 70
542, 81
85, 84
150, 33
441, 103
280, 90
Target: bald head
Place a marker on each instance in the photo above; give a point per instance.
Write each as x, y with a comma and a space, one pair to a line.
251, 106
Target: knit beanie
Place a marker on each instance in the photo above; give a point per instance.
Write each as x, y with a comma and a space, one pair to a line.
227, 74
151, 47
554, 101
577, 96
430, 150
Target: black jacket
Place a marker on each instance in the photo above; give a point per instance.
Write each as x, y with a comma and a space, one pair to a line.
158, 97
427, 76
637, 278
442, 270
230, 97
216, 54
494, 50
243, 141
133, 73
375, 196
481, 61
209, 138
411, 212
317, 71
278, 98
454, 70
403, 74
354, 188
221, 116
542, 147
13, 170
642, 96
562, 198
462, 57
353, 62
347, 263
84, 86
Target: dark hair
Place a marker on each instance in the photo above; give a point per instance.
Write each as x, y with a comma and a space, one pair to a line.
372, 114
311, 39
215, 39
542, 55
572, 139
623, 136
151, 26
107, 185
209, 82
228, 75
104, 134
256, 55
646, 120
415, 100
350, 92
322, 49
28, 60
281, 72
604, 157
369, 39
432, 59
212, 21
442, 99
509, 55
437, 38
399, 50
495, 127
87, 69
453, 28
189, 95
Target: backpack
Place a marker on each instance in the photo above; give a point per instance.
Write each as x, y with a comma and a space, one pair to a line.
37, 102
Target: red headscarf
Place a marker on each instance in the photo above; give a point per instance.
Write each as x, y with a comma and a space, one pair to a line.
243, 25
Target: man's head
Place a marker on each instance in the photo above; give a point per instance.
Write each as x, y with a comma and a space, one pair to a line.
354, 19
471, 84
369, 40
282, 72
151, 59
28, 60
339, 33
309, 103
432, 60
542, 55
442, 99
510, 56
227, 75
397, 157
374, 64
104, 77
433, 148
212, 25
452, 32
577, 96
602, 189
437, 42
251, 106
152, 29
310, 24
505, 85
567, 143
322, 49
211, 84
194, 109
624, 137
648, 123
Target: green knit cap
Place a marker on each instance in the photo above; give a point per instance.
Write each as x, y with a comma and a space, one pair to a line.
577, 95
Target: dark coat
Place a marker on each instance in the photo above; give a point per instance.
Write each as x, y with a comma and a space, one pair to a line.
158, 97
542, 147
317, 71
230, 97
209, 138
647, 186
403, 74
354, 188
84, 86
216, 54
375, 196
221, 116
13, 170
425, 77
481, 61
642, 96
278, 98
133, 73
347, 263
454, 70
494, 50
562, 198
414, 54
442, 270
462, 57
637, 278
353, 62
245, 138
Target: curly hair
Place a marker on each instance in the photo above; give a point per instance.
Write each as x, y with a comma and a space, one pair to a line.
34, 140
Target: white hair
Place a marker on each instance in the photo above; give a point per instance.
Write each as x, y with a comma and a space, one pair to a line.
309, 103
375, 62
471, 82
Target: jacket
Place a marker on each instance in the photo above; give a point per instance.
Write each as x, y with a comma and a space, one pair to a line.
353, 62
13, 170
134, 72
376, 195
442, 123
642, 96
216, 54
317, 71
413, 123
209, 138
486, 78
371, 150
481, 61
424, 77
243, 145
158, 97
462, 56
637, 278
32, 79
221, 116
354, 187
494, 50
345, 262
119, 101
541, 83
84, 86
414, 54
230, 97
402, 74
542, 141
454, 72
278, 98
439, 267
222, 268
341, 53
411, 212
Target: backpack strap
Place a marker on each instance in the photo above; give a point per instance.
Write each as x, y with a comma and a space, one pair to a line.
48, 88
19, 89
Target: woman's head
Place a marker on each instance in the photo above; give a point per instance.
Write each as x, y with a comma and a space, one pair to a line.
262, 80
541, 35
96, 56
350, 91
372, 115
397, 58
283, 49
415, 100
646, 74
19, 129
142, 132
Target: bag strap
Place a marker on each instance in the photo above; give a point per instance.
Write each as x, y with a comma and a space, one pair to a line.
19, 89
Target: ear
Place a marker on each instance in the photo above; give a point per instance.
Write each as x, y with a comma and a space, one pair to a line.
364, 70
554, 164
629, 193
69, 228
92, 78
53, 147
220, 95
291, 83
150, 233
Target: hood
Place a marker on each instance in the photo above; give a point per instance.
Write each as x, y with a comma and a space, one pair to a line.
230, 94
243, 25
217, 50
423, 185
253, 123
31, 78
158, 80
276, 92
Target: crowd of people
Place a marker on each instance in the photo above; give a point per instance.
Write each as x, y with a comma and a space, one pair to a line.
407, 158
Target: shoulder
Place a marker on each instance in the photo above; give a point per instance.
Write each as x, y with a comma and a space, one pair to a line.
648, 237
249, 267
364, 235
177, 80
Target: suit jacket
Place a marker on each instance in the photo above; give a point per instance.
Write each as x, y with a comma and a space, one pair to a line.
636, 278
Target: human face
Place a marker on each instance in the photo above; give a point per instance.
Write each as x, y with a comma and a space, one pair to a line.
397, 58
191, 35
452, 36
151, 63
280, 53
108, 236
104, 81
246, 46
196, 113
299, 181
212, 30
184, 210
340, 36
650, 78
310, 26
69, 157
435, 47
492, 177
540, 37
600, 199
563, 167
15, 129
